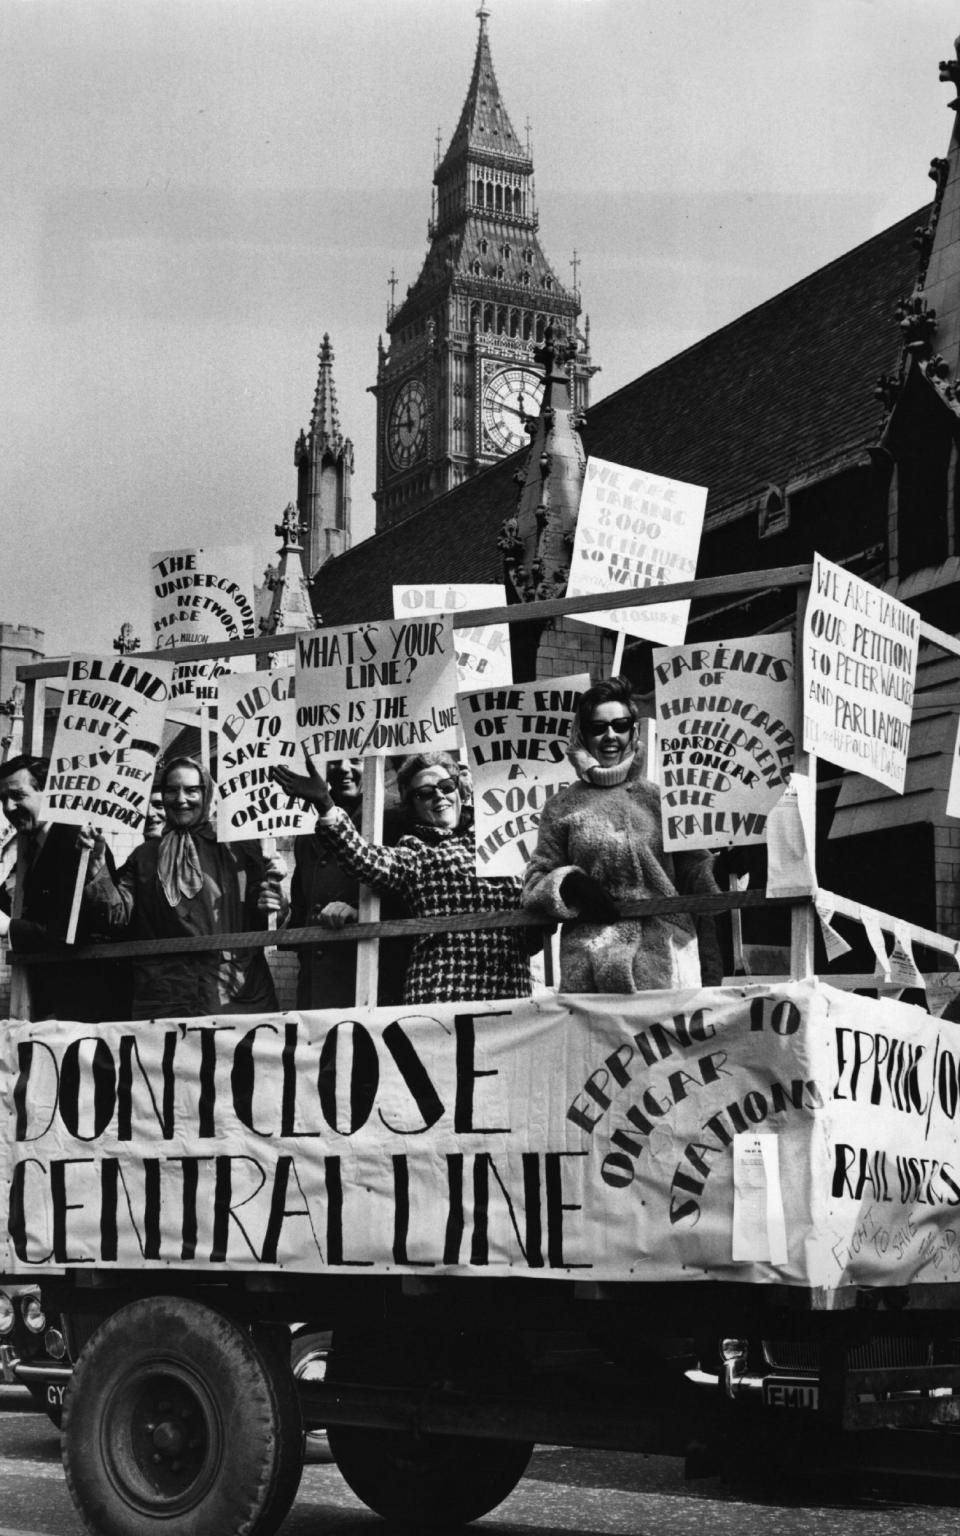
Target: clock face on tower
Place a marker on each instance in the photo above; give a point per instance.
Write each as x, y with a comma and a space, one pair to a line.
508, 397
407, 424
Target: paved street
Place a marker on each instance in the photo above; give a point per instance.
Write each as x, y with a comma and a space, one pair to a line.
587, 1493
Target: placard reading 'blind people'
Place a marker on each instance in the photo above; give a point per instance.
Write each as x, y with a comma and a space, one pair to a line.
201, 596
726, 725
377, 690
106, 743
516, 741
859, 671
636, 530
483, 650
607, 1138
256, 730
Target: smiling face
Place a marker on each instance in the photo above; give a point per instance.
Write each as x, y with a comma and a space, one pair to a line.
611, 733
183, 796
435, 797
345, 778
20, 798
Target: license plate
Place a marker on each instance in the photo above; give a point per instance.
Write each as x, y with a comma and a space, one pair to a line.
790, 1392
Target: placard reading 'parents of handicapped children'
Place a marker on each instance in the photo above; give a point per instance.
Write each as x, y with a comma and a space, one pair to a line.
256, 731
106, 743
726, 724
859, 672
606, 1138
201, 596
516, 741
377, 690
483, 650
636, 530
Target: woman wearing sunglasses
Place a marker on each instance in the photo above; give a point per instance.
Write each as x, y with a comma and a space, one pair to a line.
600, 845
433, 869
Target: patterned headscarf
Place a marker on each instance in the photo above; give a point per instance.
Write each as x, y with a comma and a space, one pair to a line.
178, 863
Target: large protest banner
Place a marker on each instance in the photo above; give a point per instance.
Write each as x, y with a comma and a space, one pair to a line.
106, 743
201, 596
635, 530
373, 690
256, 731
516, 743
483, 650
791, 1133
726, 726
859, 672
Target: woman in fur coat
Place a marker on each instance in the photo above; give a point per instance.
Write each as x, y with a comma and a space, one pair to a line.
600, 845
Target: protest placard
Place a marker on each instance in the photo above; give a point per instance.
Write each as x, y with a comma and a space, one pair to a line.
378, 689
859, 673
593, 1136
106, 743
256, 731
636, 530
953, 791
516, 745
726, 725
201, 596
483, 650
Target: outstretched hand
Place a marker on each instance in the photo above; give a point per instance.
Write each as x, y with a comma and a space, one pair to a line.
310, 787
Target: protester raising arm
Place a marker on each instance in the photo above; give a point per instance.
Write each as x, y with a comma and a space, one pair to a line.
433, 868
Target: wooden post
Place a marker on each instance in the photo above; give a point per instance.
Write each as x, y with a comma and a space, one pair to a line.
34, 698
371, 825
802, 918
617, 663
81, 881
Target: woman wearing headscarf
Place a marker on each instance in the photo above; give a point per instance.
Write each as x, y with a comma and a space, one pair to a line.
599, 845
433, 867
183, 884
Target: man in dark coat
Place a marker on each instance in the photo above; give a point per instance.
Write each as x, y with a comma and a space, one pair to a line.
36, 900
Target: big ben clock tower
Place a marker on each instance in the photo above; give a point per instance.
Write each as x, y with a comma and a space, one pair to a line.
458, 379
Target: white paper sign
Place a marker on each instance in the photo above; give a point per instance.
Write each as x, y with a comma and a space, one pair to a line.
726, 737
759, 1230
516, 746
483, 651
201, 596
107, 740
859, 671
257, 731
636, 530
377, 690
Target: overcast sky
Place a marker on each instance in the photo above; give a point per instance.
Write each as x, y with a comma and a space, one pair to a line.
193, 191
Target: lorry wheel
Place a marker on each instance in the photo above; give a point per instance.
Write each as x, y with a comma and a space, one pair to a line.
173, 1422
49, 1399
419, 1481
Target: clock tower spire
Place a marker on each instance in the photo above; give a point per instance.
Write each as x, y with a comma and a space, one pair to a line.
458, 381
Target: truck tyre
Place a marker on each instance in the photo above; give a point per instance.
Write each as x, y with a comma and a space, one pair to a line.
174, 1422
419, 1481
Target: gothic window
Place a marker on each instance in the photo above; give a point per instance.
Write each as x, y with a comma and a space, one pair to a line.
514, 322
527, 325
499, 198
547, 283
484, 247
477, 269
518, 201
479, 192
500, 271
528, 257
489, 194
774, 513
540, 327
525, 279
488, 317
505, 252
474, 316
501, 321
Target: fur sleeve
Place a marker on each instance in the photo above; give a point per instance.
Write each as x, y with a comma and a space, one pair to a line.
548, 866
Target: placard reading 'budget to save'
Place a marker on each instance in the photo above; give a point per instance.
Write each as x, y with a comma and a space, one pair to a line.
256, 730
375, 690
106, 743
726, 723
859, 672
516, 744
635, 530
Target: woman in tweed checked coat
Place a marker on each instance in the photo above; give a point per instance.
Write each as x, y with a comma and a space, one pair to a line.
433, 869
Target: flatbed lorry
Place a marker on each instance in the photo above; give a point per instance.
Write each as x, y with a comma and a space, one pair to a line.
661, 1222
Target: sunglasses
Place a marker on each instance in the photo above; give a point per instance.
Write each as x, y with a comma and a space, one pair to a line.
432, 791
623, 725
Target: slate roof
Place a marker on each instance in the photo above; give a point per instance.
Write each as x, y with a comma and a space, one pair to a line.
785, 388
